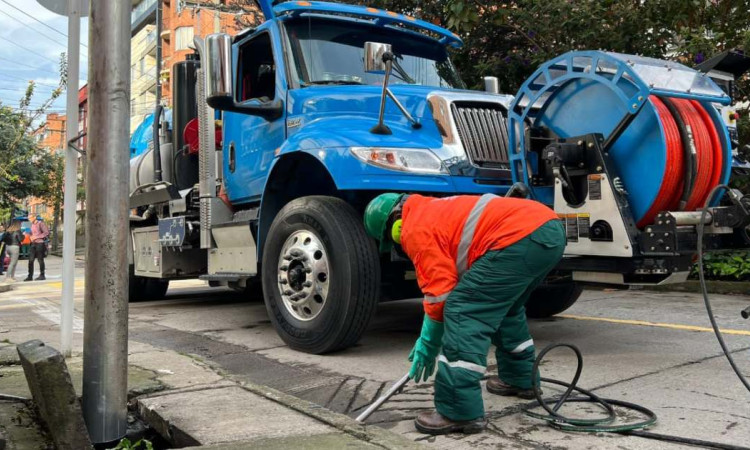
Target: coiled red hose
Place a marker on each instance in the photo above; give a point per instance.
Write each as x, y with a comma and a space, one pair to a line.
708, 157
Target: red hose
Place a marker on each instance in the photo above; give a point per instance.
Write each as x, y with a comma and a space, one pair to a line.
671, 186
704, 155
709, 157
718, 161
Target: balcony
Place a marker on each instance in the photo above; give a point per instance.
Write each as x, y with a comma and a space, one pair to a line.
142, 14
142, 81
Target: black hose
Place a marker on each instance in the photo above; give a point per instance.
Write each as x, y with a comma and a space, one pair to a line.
557, 420
704, 290
690, 163
157, 149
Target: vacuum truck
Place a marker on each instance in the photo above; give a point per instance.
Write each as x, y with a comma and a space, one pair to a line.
280, 136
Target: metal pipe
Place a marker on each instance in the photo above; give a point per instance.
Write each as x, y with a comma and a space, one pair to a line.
690, 217
414, 122
105, 333
384, 398
71, 180
156, 153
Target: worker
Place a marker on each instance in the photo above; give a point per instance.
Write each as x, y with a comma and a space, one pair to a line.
477, 260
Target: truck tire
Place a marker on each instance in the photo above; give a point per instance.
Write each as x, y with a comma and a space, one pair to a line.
552, 298
321, 275
144, 289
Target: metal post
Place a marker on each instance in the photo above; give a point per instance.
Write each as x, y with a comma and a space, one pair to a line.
71, 180
105, 333
158, 54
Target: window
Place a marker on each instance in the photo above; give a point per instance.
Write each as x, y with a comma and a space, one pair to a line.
257, 69
183, 37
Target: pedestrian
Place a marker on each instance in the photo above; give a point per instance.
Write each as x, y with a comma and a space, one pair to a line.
477, 260
2, 249
12, 240
38, 249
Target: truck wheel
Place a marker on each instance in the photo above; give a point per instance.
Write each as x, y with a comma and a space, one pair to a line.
552, 298
321, 275
144, 289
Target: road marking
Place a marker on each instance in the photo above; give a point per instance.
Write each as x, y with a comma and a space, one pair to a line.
673, 326
19, 305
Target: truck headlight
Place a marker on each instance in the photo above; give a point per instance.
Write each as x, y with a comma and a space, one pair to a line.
418, 160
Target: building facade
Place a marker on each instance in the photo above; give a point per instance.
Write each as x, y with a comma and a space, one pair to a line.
50, 137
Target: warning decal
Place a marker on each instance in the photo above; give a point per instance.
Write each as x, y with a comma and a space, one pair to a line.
595, 187
571, 227
584, 224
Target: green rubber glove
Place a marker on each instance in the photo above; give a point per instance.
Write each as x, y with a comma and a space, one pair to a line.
426, 350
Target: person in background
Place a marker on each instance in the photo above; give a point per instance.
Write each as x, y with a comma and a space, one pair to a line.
12, 240
2, 249
38, 250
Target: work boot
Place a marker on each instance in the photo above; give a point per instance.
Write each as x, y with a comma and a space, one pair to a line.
498, 387
28, 279
41, 278
432, 422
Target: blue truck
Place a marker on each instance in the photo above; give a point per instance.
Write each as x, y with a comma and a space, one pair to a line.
281, 135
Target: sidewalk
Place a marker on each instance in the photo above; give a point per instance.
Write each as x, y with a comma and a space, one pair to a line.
190, 404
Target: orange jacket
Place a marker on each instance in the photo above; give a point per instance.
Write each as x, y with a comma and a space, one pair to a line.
444, 236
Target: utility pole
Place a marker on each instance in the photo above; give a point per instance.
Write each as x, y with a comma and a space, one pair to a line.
105, 331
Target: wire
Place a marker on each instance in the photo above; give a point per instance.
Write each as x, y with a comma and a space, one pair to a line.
37, 31
38, 83
704, 290
596, 425
29, 50
38, 21
27, 65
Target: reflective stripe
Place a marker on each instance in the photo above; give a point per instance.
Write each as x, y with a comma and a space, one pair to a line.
463, 365
438, 299
467, 236
523, 346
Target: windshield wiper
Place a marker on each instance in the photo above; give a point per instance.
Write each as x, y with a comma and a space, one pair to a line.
336, 82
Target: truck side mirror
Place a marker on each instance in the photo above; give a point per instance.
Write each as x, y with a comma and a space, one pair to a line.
219, 91
218, 63
374, 61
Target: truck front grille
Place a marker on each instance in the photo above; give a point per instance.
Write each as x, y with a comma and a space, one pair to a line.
483, 133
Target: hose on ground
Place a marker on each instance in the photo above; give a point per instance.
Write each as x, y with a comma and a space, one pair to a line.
704, 290
595, 425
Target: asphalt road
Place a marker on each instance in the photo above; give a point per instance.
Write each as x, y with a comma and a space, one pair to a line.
650, 348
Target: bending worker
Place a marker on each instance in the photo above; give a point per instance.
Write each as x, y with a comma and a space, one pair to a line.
477, 261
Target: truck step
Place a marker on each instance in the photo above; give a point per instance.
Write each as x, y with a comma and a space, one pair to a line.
224, 276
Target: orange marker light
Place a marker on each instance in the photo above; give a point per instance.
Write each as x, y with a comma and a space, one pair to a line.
410, 18
392, 14
372, 10
304, 3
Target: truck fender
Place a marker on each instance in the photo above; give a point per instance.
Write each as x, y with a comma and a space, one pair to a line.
293, 174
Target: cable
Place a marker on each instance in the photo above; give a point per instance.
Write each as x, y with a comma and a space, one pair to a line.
29, 66
38, 21
704, 290
27, 80
29, 50
596, 425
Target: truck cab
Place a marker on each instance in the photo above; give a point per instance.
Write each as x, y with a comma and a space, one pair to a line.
280, 189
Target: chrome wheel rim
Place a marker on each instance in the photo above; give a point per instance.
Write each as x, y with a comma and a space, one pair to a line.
303, 273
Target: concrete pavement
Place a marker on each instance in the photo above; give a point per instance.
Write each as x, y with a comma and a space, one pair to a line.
651, 348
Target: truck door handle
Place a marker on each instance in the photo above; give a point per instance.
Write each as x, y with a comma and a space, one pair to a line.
232, 157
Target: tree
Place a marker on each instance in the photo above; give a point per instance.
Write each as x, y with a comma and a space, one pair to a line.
26, 169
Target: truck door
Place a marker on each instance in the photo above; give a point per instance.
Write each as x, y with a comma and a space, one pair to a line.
250, 141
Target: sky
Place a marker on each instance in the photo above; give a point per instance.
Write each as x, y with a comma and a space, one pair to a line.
38, 60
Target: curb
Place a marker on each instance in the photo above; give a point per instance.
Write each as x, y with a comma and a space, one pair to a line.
372, 434
713, 287
5, 287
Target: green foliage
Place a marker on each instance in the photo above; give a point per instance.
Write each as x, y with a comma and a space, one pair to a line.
25, 169
732, 266
509, 39
125, 444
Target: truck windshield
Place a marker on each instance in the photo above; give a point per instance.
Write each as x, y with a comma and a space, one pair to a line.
332, 52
